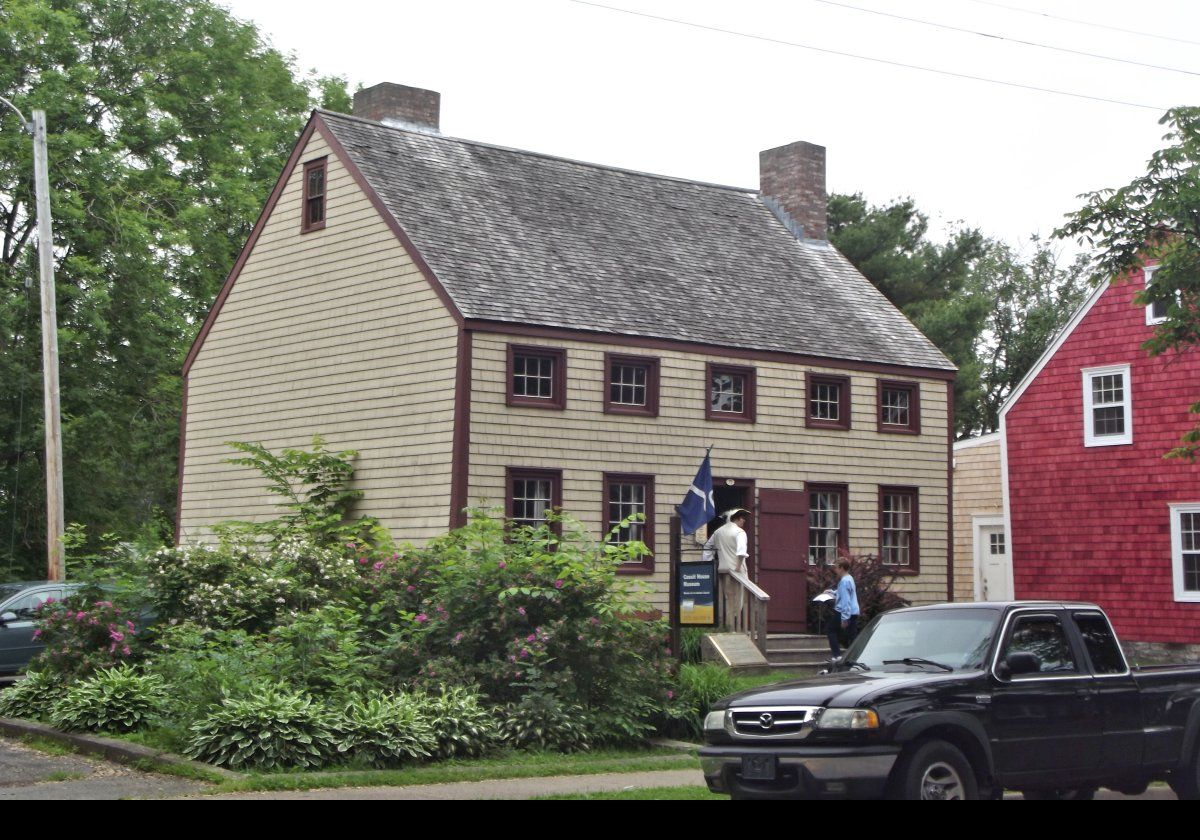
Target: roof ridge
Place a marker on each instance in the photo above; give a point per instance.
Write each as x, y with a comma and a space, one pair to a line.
544, 155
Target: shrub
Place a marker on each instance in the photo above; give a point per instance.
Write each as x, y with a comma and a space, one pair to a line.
462, 725
382, 730
521, 611
699, 687
202, 666
83, 635
541, 722
33, 697
872, 580
271, 729
117, 699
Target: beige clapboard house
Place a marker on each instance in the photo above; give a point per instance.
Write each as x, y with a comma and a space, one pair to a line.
497, 327
981, 568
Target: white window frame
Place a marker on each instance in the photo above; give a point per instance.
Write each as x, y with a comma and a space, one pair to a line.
1181, 594
1151, 321
1090, 438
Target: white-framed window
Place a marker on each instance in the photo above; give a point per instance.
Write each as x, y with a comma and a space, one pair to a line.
1156, 313
1107, 406
1185, 551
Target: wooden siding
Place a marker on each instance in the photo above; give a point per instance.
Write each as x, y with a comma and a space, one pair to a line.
333, 332
1092, 523
776, 451
977, 492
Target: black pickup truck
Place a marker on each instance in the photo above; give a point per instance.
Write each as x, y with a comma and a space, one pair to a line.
963, 701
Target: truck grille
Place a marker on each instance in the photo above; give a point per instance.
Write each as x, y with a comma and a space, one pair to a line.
773, 722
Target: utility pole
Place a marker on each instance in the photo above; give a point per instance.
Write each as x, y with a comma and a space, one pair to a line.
55, 517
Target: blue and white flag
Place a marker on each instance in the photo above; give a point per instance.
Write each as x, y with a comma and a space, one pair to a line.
698, 506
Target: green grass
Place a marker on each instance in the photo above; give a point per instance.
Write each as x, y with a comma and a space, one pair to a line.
47, 745
681, 792
181, 771
509, 766
64, 776
743, 683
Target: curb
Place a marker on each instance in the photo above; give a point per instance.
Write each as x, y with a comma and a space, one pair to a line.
112, 749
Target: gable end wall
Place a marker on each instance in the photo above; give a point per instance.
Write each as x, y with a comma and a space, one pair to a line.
337, 333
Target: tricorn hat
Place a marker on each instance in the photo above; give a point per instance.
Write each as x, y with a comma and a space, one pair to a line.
732, 512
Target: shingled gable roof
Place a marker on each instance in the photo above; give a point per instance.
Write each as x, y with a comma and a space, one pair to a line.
530, 239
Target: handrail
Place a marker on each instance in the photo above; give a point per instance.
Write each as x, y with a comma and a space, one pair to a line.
750, 586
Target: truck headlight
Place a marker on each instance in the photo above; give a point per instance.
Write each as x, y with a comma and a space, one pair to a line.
714, 721
848, 719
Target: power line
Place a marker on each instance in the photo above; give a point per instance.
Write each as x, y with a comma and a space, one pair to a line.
996, 37
1086, 22
888, 62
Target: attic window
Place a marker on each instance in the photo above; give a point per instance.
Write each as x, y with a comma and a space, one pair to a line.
314, 196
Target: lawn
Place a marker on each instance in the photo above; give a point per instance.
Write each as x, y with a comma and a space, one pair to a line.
681, 792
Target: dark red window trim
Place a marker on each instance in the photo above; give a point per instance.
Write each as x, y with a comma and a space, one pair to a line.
749, 394
843, 492
512, 474
558, 386
914, 407
647, 565
651, 364
914, 545
305, 225
843, 383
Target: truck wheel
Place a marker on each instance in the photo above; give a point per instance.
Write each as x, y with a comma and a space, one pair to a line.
1186, 782
935, 770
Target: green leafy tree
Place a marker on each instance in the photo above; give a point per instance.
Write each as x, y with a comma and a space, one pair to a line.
1156, 216
930, 283
1031, 299
169, 123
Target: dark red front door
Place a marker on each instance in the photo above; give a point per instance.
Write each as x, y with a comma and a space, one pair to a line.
782, 553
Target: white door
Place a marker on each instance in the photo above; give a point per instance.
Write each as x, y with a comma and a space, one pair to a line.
995, 572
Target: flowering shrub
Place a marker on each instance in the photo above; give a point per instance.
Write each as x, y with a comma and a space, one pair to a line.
117, 699
270, 729
82, 635
524, 611
33, 697
383, 730
872, 580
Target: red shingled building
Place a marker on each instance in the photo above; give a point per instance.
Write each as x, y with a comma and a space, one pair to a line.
1093, 509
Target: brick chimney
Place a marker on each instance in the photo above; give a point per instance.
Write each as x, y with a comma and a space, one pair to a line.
399, 105
792, 181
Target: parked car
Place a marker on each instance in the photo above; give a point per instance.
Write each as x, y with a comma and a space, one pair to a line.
19, 603
961, 701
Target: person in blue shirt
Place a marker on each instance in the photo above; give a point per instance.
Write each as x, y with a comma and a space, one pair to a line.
845, 609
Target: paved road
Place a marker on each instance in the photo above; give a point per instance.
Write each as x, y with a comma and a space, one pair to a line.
26, 773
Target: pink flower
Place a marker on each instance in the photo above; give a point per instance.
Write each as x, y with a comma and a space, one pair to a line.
37, 634
503, 565
531, 638
670, 695
125, 650
521, 610
458, 637
378, 566
362, 561
558, 584
411, 588
421, 618
116, 635
524, 653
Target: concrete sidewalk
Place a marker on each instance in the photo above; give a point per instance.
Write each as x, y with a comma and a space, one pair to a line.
495, 789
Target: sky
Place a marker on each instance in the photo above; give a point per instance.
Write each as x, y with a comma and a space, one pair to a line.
573, 79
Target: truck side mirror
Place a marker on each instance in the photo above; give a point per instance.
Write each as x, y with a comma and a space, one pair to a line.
7, 617
1022, 663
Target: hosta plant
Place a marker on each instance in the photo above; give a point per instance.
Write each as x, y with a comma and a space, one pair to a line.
33, 697
540, 722
383, 730
117, 699
272, 728
462, 724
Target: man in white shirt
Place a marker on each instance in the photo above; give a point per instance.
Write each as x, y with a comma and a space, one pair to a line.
730, 544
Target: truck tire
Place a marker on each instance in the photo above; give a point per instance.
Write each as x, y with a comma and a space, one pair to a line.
1186, 781
934, 770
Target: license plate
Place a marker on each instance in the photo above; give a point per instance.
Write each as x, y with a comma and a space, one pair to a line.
760, 768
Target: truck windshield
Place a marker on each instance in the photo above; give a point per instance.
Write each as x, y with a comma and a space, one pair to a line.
956, 638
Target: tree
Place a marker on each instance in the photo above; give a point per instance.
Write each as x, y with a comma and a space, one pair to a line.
169, 123
1156, 216
1031, 300
930, 283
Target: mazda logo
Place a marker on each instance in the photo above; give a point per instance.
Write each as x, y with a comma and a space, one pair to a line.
766, 720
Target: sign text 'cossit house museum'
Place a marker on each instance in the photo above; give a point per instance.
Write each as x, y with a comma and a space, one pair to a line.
492, 326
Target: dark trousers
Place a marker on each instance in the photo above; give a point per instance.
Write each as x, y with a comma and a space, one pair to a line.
834, 629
